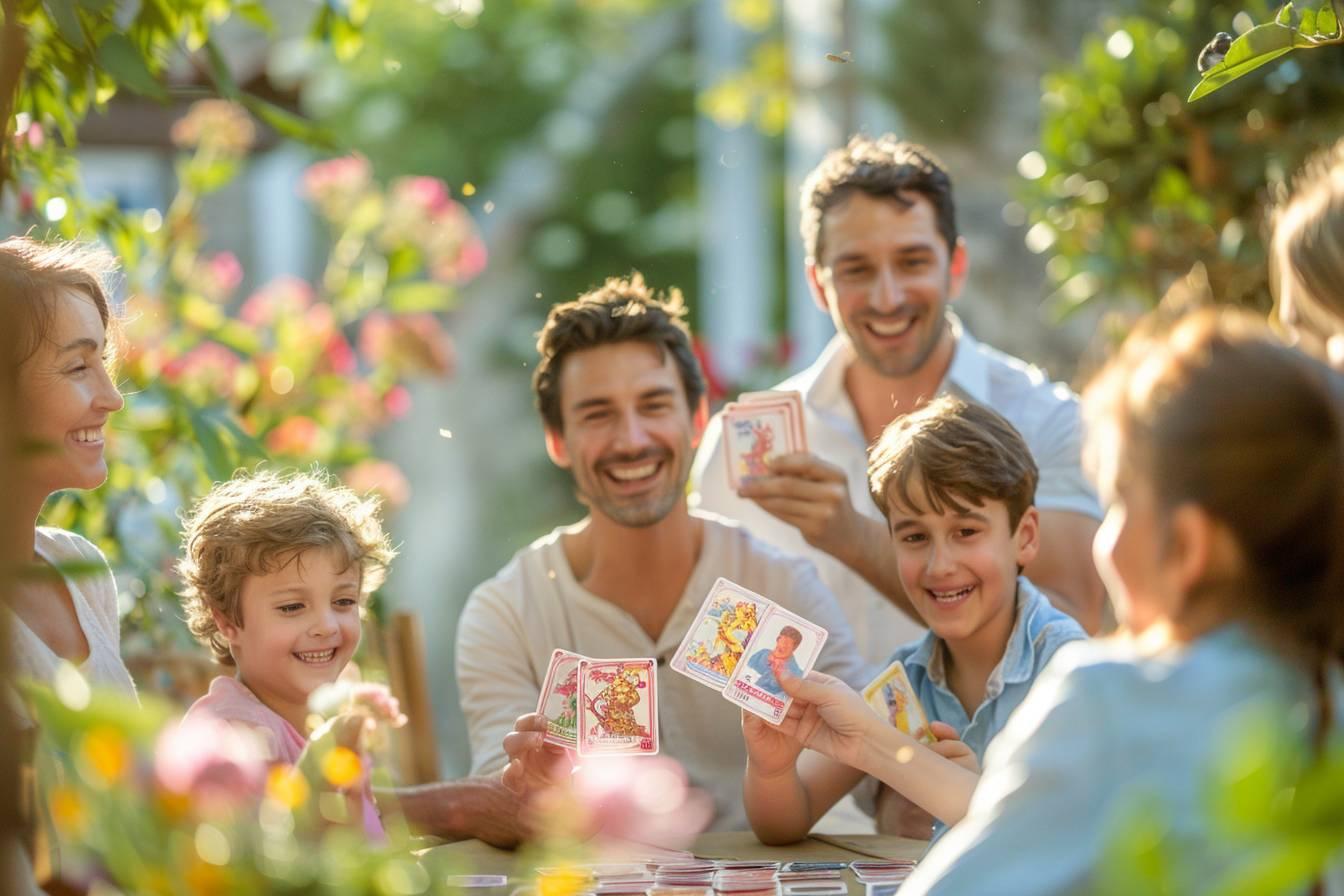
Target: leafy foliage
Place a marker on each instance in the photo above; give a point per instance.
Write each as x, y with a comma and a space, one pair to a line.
295, 373
1130, 185
1292, 29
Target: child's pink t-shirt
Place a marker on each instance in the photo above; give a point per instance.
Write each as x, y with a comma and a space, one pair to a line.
229, 700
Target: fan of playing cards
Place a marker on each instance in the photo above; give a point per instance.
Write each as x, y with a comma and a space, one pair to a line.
600, 707
741, 641
758, 427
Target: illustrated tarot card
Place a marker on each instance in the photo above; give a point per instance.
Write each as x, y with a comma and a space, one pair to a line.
559, 701
722, 630
784, 641
754, 434
892, 696
618, 707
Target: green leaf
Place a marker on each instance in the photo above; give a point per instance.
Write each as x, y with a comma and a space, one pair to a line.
1285, 16
346, 39
288, 124
120, 57
63, 13
423, 295
1308, 24
225, 83
256, 14
1327, 23
1261, 45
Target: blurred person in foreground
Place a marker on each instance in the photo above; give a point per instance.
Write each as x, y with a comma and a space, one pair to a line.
622, 400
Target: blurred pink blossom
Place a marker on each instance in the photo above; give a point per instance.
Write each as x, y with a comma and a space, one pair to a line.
469, 261
209, 364
340, 354
224, 272
647, 799
410, 343
295, 437
382, 477
427, 194
397, 402
213, 762
281, 297
34, 136
335, 185
218, 126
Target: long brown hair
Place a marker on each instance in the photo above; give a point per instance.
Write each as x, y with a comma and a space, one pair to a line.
1216, 411
33, 275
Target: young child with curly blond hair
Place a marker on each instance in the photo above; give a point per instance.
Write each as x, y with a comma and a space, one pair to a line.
276, 572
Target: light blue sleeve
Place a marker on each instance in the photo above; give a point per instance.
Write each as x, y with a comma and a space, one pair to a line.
1036, 822
1058, 451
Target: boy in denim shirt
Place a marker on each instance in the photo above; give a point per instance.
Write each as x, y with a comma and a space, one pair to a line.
956, 483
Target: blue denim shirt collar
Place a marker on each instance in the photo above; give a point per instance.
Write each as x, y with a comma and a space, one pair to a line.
1019, 657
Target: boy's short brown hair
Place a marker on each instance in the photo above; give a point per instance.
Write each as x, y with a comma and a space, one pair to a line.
257, 523
959, 453
620, 310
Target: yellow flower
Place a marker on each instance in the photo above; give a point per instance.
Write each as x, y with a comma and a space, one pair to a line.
68, 810
104, 756
341, 767
287, 787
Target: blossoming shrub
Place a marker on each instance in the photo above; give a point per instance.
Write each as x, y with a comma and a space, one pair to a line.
296, 373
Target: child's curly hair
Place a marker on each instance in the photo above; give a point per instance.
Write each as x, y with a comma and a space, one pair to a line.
257, 523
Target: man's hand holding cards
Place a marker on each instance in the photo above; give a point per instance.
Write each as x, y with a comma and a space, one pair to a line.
741, 643
759, 427
600, 706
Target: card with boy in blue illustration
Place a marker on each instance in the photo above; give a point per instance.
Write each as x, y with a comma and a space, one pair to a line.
785, 643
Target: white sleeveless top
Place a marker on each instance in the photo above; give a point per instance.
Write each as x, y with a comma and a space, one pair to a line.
95, 597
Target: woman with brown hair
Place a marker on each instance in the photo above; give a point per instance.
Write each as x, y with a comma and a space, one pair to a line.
1307, 256
63, 600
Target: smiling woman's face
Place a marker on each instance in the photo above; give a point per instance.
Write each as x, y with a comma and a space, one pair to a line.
65, 396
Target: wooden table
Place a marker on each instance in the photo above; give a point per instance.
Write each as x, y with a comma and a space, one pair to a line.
475, 857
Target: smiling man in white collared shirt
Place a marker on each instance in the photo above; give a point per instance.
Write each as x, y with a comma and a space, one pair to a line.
885, 260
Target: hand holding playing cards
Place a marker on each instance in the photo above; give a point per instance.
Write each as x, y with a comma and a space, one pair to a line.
534, 765
811, 495
770, 751
828, 716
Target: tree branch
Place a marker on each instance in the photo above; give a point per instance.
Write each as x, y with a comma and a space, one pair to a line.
13, 58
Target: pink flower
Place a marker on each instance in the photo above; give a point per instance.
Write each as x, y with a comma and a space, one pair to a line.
211, 761
281, 297
340, 355
397, 402
335, 185
296, 437
410, 343
225, 271
428, 194
209, 364
469, 261
381, 477
643, 798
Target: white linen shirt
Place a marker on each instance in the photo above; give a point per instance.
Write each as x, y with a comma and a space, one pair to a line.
1045, 413
513, 622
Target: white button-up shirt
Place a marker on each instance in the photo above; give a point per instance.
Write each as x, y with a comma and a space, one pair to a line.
1046, 414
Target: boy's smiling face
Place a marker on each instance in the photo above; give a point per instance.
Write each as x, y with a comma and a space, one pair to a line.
300, 627
959, 568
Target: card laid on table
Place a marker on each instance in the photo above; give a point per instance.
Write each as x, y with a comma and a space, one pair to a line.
758, 428
618, 707
892, 696
559, 701
722, 630
784, 641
